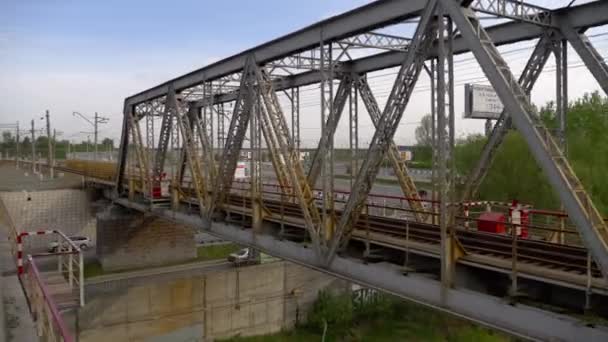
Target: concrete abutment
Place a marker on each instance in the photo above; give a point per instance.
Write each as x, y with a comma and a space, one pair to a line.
130, 239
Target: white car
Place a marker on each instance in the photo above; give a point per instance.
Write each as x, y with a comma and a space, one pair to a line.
82, 242
243, 257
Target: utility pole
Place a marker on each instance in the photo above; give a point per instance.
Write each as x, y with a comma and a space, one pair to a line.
33, 148
17, 147
49, 157
95, 123
95, 132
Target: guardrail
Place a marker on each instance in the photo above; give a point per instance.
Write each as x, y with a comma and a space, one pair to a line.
49, 322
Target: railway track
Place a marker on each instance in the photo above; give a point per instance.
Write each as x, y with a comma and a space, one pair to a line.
564, 258
570, 259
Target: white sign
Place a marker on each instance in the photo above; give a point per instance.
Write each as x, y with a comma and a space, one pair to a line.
481, 102
406, 155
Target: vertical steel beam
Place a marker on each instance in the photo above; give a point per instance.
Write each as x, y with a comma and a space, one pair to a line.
353, 138
295, 117
327, 156
387, 126
255, 143
434, 195
445, 130
546, 151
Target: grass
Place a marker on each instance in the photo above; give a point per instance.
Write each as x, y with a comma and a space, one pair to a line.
214, 252
387, 320
203, 253
93, 269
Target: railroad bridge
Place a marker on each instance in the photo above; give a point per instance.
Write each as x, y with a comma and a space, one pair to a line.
181, 142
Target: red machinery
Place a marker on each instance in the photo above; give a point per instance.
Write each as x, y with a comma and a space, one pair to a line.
496, 223
491, 222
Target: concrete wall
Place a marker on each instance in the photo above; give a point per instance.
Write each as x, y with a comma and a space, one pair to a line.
71, 211
244, 301
128, 239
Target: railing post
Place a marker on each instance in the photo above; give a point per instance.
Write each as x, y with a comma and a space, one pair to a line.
466, 216
384, 207
59, 255
81, 277
588, 293
513, 261
71, 266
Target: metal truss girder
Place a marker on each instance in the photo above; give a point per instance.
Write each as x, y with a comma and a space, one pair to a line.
271, 109
546, 151
365, 18
234, 137
405, 181
513, 9
591, 57
582, 16
310, 60
330, 129
530, 74
362, 19
377, 40
387, 126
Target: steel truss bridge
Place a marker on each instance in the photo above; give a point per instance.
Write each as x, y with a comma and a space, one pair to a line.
190, 132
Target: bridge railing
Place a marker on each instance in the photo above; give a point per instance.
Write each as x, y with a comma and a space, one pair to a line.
49, 322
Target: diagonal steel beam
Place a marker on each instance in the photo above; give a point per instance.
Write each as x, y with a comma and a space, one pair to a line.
193, 161
330, 129
387, 126
544, 148
408, 187
210, 169
289, 157
183, 158
591, 57
528, 78
165, 134
124, 147
234, 137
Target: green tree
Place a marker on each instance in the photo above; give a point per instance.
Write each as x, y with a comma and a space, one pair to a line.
515, 174
424, 135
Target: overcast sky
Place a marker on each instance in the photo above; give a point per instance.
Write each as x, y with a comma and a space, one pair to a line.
87, 56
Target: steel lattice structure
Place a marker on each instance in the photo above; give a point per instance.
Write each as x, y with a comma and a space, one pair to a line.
244, 89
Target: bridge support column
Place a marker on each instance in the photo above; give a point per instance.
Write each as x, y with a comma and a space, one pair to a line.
129, 239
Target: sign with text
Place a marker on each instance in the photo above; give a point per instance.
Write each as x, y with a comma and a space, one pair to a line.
481, 102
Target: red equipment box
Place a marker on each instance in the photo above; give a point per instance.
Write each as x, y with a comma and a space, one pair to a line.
490, 222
